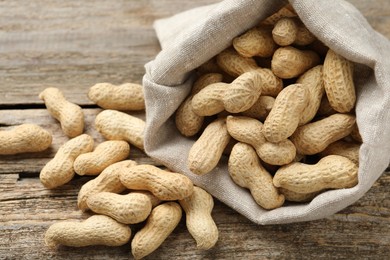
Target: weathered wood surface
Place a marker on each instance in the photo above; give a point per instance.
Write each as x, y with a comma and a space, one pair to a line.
75, 44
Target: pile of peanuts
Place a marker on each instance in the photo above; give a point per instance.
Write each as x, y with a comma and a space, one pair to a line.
288, 128
123, 192
280, 104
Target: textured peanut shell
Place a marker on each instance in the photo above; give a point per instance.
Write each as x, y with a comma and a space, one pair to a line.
104, 155
234, 64
331, 172
289, 62
159, 225
286, 11
25, 138
96, 230
59, 170
70, 115
187, 121
128, 96
200, 224
163, 184
257, 41
304, 36
270, 84
261, 108
206, 152
297, 197
209, 101
315, 137
130, 208
243, 92
285, 31
285, 115
115, 125
108, 180
249, 130
342, 148
338, 82
312, 81
246, 171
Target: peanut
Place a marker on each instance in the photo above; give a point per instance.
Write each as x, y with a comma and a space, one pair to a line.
162, 184
70, 115
115, 125
249, 130
313, 83
234, 64
199, 221
338, 82
270, 84
260, 110
348, 150
315, 137
255, 42
187, 121
331, 172
246, 171
285, 115
235, 97
96, 230
286, 11
285, 31
108, 180
160, 224
206, 152
289, 62
105, 154
297, 197
25, 138
131, 208
128, 96
60, 170
304, 36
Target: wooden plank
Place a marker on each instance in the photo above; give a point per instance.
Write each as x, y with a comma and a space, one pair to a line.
32, 163
362, 230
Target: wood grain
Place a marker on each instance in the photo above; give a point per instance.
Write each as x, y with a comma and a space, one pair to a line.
74, 44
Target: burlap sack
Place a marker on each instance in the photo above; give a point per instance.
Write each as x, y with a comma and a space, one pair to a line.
191, 38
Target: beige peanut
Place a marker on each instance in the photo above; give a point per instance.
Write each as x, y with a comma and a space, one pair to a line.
96, 230
260, 110
105, 154
342, 148
130, 208
235, 97
313, 83
159, 225
286, 11
338, 82
315, 137
108, 181
255, 42
246, 171
199, 221
187, 121
331, 172
234, 64
289, 62
70, 115
128, 96
25, 138
297, 197
163, 184
115, 125
60, 170
206, 152
249, 130
285, 115
270, 84
285, 31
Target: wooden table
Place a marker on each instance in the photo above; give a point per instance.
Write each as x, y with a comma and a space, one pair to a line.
72, 45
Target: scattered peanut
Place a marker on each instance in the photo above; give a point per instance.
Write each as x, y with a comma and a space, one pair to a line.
128, 96
59, 170
348, 150
331, 172
297, 197
96, 230
105, 154
115, 125
234, 64
285, 31
160, 224
200, 224
70, 115
25, 138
